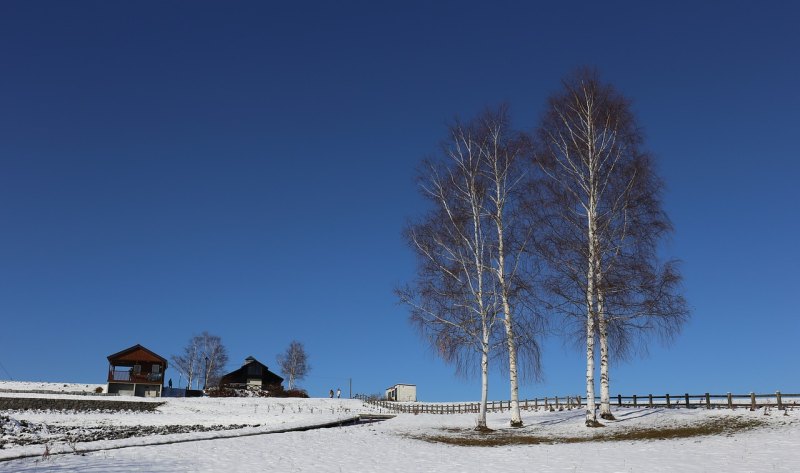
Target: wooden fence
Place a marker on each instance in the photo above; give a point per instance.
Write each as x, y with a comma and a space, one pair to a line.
706, 400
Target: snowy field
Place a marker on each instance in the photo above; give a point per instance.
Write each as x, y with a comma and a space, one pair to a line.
33, 386
233, 435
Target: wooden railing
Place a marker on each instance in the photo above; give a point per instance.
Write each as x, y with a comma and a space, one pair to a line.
129, 376
706, 400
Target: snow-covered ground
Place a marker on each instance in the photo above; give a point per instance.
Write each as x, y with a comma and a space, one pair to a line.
398, 444
34, 386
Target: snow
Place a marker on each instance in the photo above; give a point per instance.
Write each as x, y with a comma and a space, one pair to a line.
41, 386
394, 444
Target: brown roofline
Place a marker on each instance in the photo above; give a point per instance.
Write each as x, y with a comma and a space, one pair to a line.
137, 347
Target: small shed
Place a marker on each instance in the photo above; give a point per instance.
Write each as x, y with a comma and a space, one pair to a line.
402, 393
253, 374
136, 371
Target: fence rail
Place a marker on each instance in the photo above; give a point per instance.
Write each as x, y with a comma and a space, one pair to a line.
752, 401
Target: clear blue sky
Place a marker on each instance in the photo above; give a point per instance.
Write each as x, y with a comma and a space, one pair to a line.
246, 168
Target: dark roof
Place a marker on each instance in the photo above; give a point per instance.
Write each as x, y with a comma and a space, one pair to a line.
137, 347
241, 375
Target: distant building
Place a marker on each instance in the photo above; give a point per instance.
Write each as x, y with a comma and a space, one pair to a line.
136, 371
253, 374
402, 393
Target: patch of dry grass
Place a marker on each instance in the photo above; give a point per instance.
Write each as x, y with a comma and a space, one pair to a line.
472, 438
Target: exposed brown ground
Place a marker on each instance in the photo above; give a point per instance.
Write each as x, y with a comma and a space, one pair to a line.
472, 438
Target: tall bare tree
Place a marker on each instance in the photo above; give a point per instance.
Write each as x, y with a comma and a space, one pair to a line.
294, 363
471, 250
637, 294
503, 153
600, 205
453, 301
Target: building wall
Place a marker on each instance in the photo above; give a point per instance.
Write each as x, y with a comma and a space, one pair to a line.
132, 389
406, 393
123, 389
402, 393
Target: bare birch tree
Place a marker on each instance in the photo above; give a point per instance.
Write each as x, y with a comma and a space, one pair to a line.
214, 355
452, 301
472, 249
293, 363
637, 294
203, 359
502, 154
188, 363
601, 206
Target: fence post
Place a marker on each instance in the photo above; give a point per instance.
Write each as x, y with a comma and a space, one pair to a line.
526, 404
579, 402
545, 403
668, 404
708, 401
556, 402
536, 403
687, 400
780, 403
752, 401
649, 400
634, 401
730, 401
619, 400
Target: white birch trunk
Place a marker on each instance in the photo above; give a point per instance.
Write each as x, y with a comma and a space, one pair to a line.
484, 385
516, 418
591, 418
605, 398
479, 256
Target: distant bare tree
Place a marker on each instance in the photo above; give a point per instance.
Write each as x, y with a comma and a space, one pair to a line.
600, 206
203, 359
188, 363
294, 363
215, 357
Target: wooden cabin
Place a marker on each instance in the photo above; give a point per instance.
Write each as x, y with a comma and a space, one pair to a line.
252, 375
136, 371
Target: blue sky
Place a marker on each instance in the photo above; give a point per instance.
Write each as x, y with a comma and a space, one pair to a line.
246, 168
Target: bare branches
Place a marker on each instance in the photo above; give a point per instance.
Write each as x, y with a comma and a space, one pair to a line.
473, 263
293, 363
600, 205
203, 360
